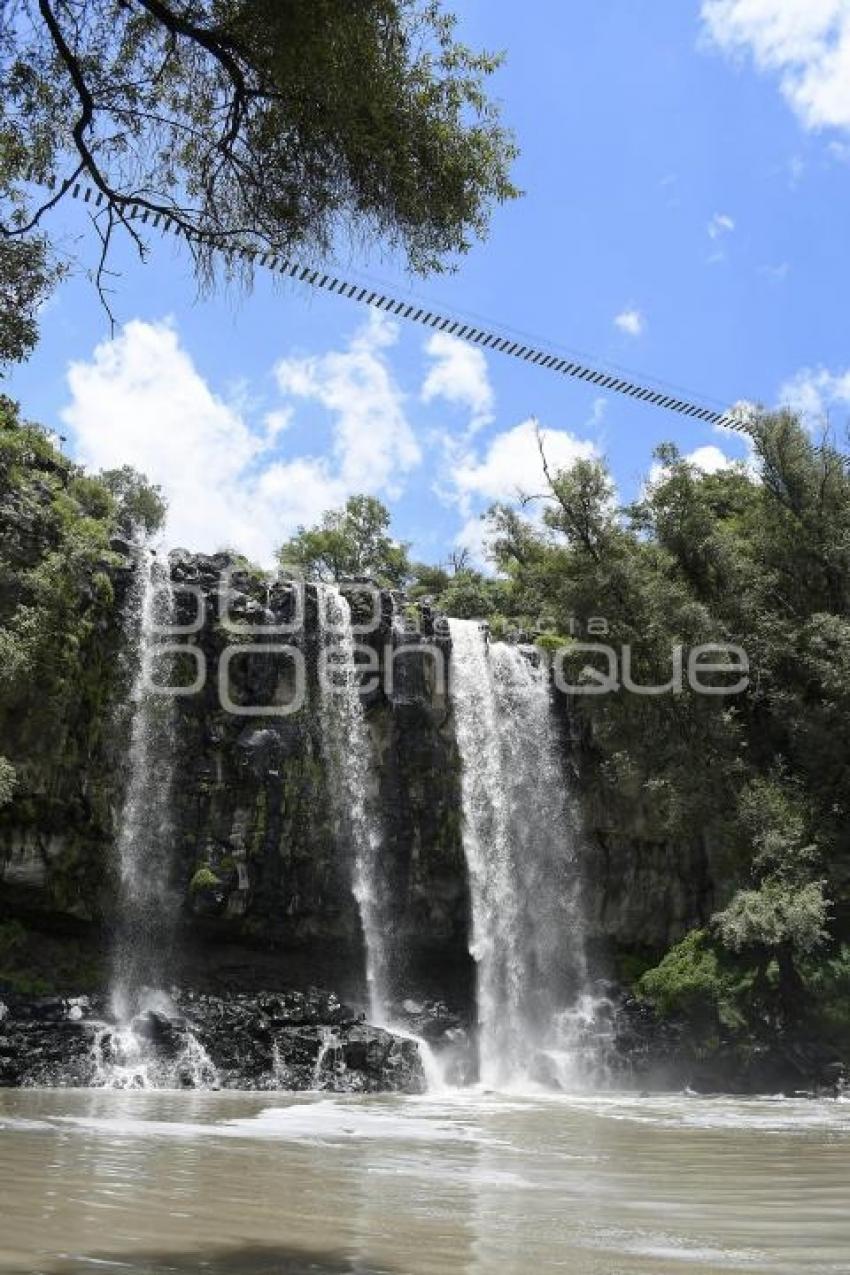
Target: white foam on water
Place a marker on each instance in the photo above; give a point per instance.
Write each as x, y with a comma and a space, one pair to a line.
768, 1113
323, 1120
124, 1059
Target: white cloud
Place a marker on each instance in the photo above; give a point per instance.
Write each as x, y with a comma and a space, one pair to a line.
140, 401
709, 459
720, 224
777, 273
813, 391
806, 43
459, 374
631, 322
374, 445
512, 464
475, 535
840, 151
277, 421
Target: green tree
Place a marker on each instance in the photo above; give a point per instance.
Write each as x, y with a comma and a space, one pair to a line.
140, 504
353, 541
469, 595
783, 915
428, 581
56, 595
272, 125
26, 279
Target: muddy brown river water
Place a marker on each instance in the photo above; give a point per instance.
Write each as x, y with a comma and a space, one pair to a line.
244, 1184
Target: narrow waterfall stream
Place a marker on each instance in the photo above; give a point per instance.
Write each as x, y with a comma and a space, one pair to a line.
147, 904
348, 748
349, 754
520, 845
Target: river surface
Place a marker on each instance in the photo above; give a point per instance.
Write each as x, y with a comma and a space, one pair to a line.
472, 1182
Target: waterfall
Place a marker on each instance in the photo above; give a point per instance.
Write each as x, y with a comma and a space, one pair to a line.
520, 846
124, 1055
147, 905
348, 750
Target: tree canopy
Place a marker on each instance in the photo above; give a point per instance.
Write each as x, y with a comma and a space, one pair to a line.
758, 555
274, 125
27, 276
352, 541
56, 592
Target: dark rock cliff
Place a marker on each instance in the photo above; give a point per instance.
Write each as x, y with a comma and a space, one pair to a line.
262, 881
263, 884
267, 882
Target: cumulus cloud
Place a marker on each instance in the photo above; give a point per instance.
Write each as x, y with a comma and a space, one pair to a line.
374, 445
458, 374
806, 43
813, 391
710, 459
632, 322
140, 400
511, 464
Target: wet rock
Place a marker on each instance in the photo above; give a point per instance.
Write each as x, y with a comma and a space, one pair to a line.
270, 1040
118, 544
166, 1035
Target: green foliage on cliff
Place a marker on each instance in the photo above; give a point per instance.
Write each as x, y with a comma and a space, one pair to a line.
204, 879
60, 643
756, 556
7, 781
698, 980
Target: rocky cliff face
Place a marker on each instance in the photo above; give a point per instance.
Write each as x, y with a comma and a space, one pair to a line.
265, 879
263, 884
269, 1040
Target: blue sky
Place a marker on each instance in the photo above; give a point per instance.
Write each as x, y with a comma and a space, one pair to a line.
687, 177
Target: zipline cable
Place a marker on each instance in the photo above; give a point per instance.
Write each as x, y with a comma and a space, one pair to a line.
484, 337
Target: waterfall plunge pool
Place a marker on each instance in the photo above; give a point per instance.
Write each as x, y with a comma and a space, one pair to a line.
476, 1182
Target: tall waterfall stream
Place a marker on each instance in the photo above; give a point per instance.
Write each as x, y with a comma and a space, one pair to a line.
147, 901
346, 741
348, 747
535, 1016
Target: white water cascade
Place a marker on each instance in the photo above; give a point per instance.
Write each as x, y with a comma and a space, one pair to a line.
520, 844
345, 736
348, 748
147, 903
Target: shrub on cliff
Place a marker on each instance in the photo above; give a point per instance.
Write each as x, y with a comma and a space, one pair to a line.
60, 641
348, 542
699, 983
